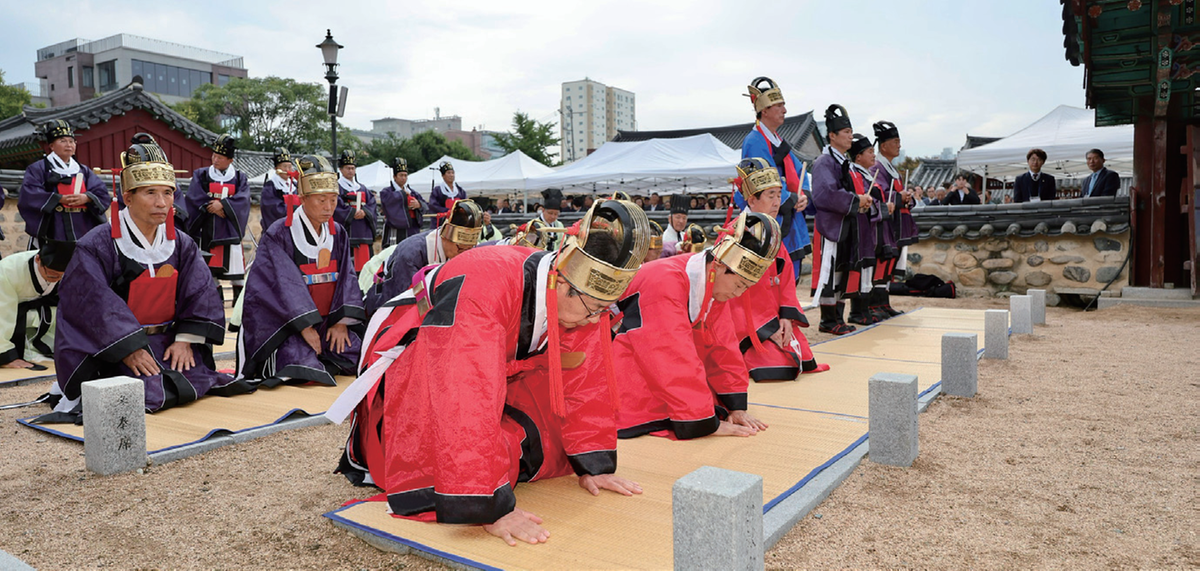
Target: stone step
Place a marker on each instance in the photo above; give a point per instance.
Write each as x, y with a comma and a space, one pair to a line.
1178, 293
1148, 302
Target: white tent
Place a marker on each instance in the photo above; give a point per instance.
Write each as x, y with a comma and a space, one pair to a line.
507, 174
374, 176
665, 166
1066, 134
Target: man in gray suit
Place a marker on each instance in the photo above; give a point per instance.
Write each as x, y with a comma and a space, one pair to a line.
1102, 182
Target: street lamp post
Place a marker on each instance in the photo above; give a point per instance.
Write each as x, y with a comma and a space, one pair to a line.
329, 51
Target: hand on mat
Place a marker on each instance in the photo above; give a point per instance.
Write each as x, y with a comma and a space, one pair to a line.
743, 418
518, 524
17, 364
313, 339
783, 337
141, 363
727, 428
610, 482
338, 337
215, 207
179, 355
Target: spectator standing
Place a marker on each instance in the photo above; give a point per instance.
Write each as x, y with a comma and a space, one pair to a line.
1102, 182
1035, 185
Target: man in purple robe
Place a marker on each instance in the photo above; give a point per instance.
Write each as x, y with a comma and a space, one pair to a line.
137, 299
356, 211
60, 199
836, 236
899, 229
218, 205
303, 312
458, 233
445, 191
279, 196
403, 208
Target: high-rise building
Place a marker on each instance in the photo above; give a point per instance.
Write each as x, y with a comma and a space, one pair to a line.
591, 113
77, 70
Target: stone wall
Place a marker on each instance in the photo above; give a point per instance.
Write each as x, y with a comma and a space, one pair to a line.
1004, 265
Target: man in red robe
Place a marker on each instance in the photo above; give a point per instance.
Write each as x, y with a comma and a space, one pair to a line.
766, 318
681, 372
496, 373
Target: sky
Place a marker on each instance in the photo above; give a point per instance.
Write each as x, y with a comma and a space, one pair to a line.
938, 69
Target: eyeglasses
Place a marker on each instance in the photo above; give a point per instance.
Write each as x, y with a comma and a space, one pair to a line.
591, 312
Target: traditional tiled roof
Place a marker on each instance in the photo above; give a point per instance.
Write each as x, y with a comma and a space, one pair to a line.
934, 172
1076, 216
20, 130
795, 130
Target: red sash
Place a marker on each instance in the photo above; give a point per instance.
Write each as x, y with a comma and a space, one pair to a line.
68, 189
217, 259
362, 253
789, 168
322, 282
216, 188
152, 299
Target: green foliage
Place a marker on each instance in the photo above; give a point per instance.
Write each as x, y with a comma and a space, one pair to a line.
264, 113
530, 137
909, 164
12, 98
420, 151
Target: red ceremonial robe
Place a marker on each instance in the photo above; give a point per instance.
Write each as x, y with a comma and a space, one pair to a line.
677, 352
466, 407
758, 311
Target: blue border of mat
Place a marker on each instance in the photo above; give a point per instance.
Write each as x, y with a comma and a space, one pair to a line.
813, 474
333, 515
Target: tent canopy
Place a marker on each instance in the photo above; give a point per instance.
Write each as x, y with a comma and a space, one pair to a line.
665, 166
500, 176
1066, 134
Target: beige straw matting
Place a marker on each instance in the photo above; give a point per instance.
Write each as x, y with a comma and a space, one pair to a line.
14, 376
811, 420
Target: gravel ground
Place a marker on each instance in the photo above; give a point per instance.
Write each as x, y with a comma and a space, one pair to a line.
1080, 451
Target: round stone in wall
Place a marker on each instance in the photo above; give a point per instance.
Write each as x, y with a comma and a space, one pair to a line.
1037, 279
1108, 273
1065, 259
1077, 274
1035, 260
998, 264
964, 247
1106, 244
1041, 246
1002, 278
972, 278
914, 258
965, 261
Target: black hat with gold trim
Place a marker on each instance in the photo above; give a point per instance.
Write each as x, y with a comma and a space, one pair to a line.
281, 156
317, 176
885, 131
680, 203
755, 175
464, 223
399, 165
764, 93
752, 246
347, 159
225, 146
445, 166
861, 143
56, 129
552, 199
601, 279
656, 233
145, 164
56, 254
836, 118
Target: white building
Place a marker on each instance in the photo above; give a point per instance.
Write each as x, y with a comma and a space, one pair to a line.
591, 113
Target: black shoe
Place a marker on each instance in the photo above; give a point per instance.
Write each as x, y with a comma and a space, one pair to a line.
859, 311
886, 302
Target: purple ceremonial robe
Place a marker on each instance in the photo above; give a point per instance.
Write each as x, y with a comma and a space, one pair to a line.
279, 305
441, 194
270, 203
96, 327
833, 201
210, 230
901, 229
45, 218
407, 259
362, 231
400, 222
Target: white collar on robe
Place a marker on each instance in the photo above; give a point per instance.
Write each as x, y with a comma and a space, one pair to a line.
285, 185
44, 287
697, 274
433, 247
540, 326
771, 136
863, 171
156, 253
218, 176
347, 184
671, 235
829, 150
69, 168
323, 237
890, 167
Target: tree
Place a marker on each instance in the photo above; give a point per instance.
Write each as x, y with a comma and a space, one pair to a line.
909, 164
530, 137
420, 151
264, 113
13, 98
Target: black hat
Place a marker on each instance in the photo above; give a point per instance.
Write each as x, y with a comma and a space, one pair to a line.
399, 165
553, 198
680, 203
281, 156
446, 166
347, 159
225, 146
56, 129
859, 145
885, 131
56, 254
836, 118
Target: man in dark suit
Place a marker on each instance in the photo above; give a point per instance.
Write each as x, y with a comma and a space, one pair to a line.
1102, 182
961, 193
1035, 185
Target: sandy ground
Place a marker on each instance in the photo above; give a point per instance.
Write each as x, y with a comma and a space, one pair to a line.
1080, 451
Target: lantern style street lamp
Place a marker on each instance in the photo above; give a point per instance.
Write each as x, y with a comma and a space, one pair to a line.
329, 51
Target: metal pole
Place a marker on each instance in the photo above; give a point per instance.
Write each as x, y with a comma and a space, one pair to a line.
333, 123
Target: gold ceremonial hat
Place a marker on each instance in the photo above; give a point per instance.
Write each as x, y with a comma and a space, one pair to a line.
630, 229
756, 175
145, 164
316, 176
752, 246
530, 235
464, 224
656, 232
764, 93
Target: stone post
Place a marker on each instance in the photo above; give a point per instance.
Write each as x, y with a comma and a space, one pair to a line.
718, 520
892, 418
114, 425
995, 334
1020, 310
960, 368
1037, 306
